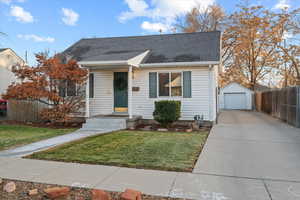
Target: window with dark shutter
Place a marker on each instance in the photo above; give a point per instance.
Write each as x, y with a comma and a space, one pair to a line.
153, 85
187, 84
62, 88
71, 88
91, 85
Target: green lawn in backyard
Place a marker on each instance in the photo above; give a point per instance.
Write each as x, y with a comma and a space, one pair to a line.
17, 135
137, 149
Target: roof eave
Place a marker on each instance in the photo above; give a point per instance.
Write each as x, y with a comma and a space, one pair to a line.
181, 64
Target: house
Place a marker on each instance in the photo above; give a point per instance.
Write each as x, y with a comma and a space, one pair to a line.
128, 74
8, 59
235, 96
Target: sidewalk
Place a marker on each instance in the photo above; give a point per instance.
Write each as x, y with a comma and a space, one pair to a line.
51, 142
152, 182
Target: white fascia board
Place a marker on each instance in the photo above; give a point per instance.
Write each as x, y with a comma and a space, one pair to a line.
181, 64
102, 63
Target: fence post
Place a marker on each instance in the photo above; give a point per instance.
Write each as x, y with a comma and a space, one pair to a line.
298, 108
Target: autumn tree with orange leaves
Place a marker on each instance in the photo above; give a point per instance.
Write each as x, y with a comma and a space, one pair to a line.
252, 42
53, 83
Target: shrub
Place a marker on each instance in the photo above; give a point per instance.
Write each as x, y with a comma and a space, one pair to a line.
167, 112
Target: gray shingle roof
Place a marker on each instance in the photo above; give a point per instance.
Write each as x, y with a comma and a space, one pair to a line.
183, 47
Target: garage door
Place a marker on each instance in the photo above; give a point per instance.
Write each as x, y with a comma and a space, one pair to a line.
235, 101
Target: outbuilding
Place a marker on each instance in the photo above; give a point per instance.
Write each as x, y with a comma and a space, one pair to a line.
234, 96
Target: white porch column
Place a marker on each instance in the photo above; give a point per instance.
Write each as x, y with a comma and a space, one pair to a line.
130, 92
87, 96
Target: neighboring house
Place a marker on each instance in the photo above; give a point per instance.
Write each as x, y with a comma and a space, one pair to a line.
234, 96
180, 67
8, 59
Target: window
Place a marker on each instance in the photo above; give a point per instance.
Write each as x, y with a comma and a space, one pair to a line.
166, 84
71, 88
170, 84
176, 86
67, 88
164, 90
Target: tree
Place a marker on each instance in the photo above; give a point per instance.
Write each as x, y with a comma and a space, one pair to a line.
252, 42
254, 32
48, 83
203, 20
289, 47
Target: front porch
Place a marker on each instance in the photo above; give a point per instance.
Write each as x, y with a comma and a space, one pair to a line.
119, 92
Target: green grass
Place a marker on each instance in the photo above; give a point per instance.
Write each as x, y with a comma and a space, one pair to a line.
17, 135
137, 149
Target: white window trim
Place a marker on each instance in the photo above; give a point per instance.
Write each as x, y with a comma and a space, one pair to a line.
170, 87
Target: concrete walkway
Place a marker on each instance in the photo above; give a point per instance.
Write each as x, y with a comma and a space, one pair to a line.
51, 142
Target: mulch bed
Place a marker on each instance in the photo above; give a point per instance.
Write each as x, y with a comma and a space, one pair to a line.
172, 128
43, 125
22, 188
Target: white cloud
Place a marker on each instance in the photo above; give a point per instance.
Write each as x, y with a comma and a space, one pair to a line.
70, 17
36, 38
5, 1
21, 15
9, 1
154, 27
282, 4
161, 12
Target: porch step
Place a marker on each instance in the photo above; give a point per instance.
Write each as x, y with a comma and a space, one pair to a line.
104, 123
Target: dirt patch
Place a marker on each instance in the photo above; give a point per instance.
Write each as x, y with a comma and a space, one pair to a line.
22, 189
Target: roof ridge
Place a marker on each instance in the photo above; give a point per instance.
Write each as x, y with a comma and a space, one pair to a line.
152, 35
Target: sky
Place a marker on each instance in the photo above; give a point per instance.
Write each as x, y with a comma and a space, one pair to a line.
54, 25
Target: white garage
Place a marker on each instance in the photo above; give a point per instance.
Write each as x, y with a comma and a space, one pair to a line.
235, 97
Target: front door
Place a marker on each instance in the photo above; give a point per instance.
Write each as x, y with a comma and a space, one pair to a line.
121, 91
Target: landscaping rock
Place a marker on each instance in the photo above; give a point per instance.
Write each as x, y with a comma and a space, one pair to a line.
162, 129
56, 192
146, 128
9, 187
130, 194
195, 126
189, 130
33, 192
100, 195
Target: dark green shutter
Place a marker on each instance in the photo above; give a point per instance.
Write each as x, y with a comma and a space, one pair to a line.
187, 84
153, 85
91, 85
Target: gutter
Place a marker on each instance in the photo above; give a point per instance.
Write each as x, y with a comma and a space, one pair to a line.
180, 64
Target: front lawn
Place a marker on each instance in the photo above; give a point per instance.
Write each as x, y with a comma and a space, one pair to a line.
17, 135
138, 149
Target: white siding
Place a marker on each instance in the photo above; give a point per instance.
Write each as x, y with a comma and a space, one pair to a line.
102, 103
198, 104
7, 60
235, 88
202, 101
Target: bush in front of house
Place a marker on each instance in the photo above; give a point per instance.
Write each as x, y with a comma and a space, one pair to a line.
166, 112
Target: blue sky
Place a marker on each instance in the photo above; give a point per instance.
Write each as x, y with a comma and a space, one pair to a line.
54, 25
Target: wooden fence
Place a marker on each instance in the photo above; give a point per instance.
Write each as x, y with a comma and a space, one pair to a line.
24, 111
283, 104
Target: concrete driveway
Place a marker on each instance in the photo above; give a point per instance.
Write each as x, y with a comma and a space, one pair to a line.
253, 146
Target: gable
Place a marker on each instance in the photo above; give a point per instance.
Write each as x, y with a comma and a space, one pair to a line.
235, 87
8, 59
